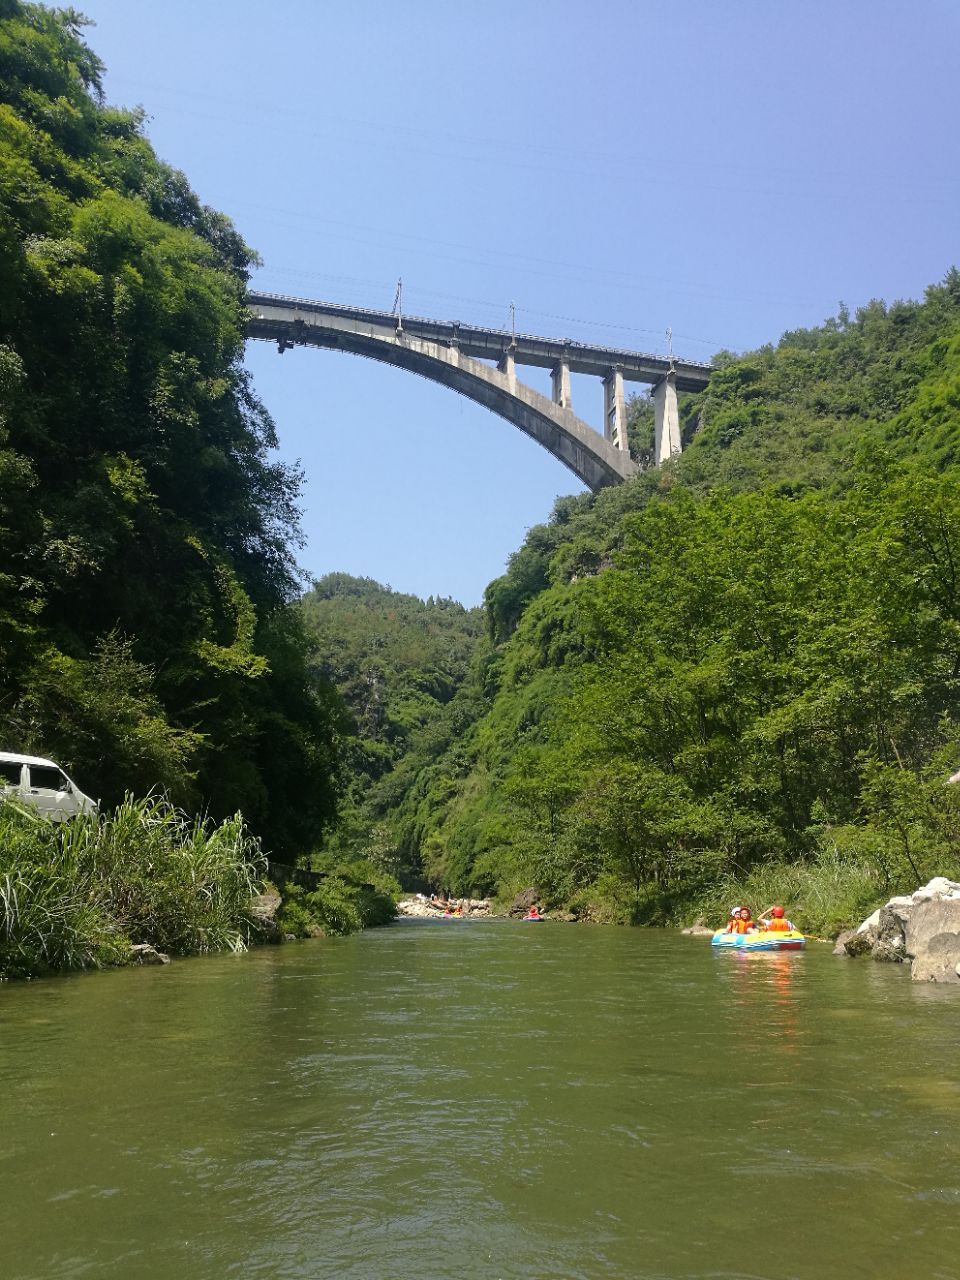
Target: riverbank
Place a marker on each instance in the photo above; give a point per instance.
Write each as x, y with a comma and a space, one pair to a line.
81, 894
420, 907
145, 881
423, 907
823, 897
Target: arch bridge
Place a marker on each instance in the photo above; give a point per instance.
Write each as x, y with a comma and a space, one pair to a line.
481, 364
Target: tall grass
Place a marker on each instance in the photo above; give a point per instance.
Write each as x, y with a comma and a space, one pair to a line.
822, 897
76, 894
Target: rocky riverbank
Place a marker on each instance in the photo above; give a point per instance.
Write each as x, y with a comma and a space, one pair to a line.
421, 907
922, 929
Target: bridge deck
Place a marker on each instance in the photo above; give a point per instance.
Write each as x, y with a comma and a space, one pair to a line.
490, 344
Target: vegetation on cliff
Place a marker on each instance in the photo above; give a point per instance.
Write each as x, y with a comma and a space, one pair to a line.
744, 662
146, 537
397, 661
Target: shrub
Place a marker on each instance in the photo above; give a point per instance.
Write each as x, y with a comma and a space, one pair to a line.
340, 904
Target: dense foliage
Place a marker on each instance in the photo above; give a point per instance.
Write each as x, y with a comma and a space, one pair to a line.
397, 661
145, 534
746, 661
340, 903
75, 895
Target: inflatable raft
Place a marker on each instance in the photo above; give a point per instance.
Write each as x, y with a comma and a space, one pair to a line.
762, 940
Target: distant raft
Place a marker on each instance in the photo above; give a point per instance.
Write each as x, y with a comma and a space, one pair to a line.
761, 940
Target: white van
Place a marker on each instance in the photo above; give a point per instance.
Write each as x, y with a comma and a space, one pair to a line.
43, 785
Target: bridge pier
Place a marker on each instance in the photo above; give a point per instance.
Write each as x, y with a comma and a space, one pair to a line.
507, 365
560, 379
615, 410
666, 419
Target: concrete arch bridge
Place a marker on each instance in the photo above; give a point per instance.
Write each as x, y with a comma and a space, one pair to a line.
481, 364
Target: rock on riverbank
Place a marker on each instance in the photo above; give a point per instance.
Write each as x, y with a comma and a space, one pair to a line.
922, 927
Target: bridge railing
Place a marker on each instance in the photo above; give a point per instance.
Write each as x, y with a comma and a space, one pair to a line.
590, 353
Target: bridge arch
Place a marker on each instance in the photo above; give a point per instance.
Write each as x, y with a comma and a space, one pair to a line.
448, 354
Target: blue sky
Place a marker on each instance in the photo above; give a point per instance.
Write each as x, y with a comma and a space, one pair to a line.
729, 170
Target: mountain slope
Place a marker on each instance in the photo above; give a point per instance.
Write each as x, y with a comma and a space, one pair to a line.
748, 658
397, 662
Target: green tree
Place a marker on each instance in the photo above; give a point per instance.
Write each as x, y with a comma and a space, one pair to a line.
147, 536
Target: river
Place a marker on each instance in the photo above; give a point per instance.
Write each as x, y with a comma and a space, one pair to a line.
482, 1099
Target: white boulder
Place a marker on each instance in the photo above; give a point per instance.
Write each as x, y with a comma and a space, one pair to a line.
923, 927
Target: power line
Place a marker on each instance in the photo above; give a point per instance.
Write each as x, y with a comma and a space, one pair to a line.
622, 281
498, 145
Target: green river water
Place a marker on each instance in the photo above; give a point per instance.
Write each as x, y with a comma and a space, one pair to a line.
482, 1099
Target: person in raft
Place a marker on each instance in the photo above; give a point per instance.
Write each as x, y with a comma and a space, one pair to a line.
774, 920
734, 920
740, 921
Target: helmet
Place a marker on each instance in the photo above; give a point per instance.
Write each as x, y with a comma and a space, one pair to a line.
735, 911
777, 911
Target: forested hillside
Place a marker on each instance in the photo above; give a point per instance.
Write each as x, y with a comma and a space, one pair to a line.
146, 538
397, 661
744, 665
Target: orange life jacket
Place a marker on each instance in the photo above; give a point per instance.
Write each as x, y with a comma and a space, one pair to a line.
780, 923
740, 926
